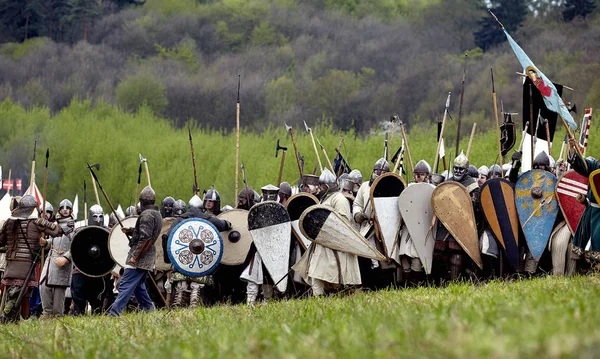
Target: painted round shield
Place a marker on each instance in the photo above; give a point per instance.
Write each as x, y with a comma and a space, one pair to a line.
118, 243
237, 241
195, 247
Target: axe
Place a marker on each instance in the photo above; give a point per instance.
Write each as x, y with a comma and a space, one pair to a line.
326, 157
308, 129
291, 132
243, 168
145, 161
97, 167
284, 149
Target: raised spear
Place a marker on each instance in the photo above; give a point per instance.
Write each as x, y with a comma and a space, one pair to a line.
196, 189
309, 130
497, 120
237, 135
44, 192
290, 130
137, 188
32, 178
460, 105
437, 153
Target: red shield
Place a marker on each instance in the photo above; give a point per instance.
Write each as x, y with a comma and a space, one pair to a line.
569, 186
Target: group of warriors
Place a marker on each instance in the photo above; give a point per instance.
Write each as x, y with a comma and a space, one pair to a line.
327, 235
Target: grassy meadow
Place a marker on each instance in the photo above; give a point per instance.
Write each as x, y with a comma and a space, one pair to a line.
549, 317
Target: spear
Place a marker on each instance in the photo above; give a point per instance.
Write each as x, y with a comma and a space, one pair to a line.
44, 191
145, 161
290, 130
405, 142
497, 120
32, 178
137, 188
237, 135
462, 93
196, 189
471, 139
309, 130
437, 153
325, 154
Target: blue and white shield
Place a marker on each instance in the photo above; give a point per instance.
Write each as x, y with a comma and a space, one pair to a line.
195, 247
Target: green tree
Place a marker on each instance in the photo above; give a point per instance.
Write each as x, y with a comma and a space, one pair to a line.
143, 89
511, 14
575, 8
83, 14
22, 19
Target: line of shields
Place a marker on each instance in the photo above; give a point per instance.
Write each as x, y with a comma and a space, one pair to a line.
195, 247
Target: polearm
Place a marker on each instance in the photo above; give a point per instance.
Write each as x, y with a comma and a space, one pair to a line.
84, 202
291, 132
137, 188
9, 182
514, 163
196, 189
112, 208
237, 136
385, 147
497, 120
405, 142
531, 133
97, 165
32, 178
471, 139
460, 105
437, 153
44, 192
393, 121
325, 154
145, 161
309, 130
547, 126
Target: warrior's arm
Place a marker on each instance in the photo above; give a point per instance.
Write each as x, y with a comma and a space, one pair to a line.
45, 226
145, 240
582, 166
221, 224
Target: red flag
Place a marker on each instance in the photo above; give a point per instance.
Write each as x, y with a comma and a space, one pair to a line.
18, 184
8, 185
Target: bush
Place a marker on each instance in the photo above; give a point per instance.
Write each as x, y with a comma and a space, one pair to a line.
142, 89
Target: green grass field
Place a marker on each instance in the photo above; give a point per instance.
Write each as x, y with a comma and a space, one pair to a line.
547, 317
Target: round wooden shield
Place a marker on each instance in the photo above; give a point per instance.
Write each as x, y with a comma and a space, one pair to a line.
118, 243
195, 247
297, 204
237, 241
89, 251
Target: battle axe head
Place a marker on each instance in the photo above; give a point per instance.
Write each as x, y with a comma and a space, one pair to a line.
142, 159
279, 148
306, 127
96, 166
287, 128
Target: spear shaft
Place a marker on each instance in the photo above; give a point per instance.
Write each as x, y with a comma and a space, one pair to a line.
237, 136
193, 162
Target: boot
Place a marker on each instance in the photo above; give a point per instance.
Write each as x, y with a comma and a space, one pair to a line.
195, 294
178, 299
318, 287
267, 291
251, 293
572, 259
455, 266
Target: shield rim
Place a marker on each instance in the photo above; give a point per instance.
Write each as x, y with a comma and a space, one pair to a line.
593, 185
173, 261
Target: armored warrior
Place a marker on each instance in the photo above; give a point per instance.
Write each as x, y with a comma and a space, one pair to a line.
321, 266
409, 257
212, 202
483, 175
245, 199
56, 273
21, 234
446, 245
364, 215
166, 207
141, 256
285, 192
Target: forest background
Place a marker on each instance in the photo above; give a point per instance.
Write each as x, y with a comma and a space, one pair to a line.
101, 81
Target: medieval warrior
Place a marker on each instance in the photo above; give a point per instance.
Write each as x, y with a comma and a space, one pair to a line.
141, 256
22, 234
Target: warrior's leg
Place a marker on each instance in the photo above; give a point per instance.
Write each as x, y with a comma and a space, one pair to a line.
530, 265
267, 291
572, 261
251, 293
141, 294
318, 287
47, 295
58, 301
455, 265
180, 287
195, 298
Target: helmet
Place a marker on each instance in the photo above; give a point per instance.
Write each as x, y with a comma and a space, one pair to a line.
138, 208
213, 196
483, 170
195, 202
147, 196
343, 180
166, 207
285, 189
357, 178
49, 208
495, 172
96, 216
541, 159
245, 198
226, 208
179, 208
422, 167
130, 211
473, 172
381, 165
14, 203
112, 220
269, 193
310, 183
437, 179
460, 167
328, 180
27, 205
65, 203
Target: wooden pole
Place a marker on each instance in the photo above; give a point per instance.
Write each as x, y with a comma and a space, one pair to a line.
237, 136
412, 167
462, 94
471, 139
437, 152
497, 120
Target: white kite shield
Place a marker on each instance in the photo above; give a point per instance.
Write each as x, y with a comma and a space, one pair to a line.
385, 191
270, 228
237, 240
297, 204
322, 225
415, 208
